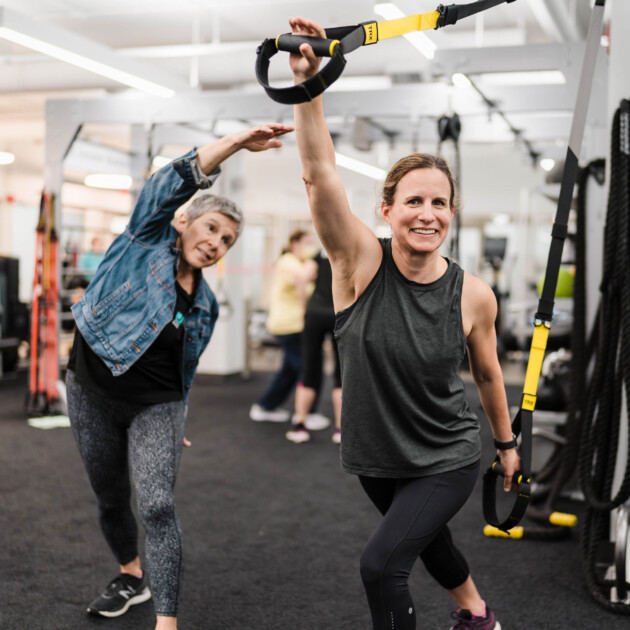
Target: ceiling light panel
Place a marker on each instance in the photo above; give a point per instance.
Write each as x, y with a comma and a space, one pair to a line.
83, 53
363, 168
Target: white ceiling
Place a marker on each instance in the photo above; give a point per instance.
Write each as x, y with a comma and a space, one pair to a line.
525, 34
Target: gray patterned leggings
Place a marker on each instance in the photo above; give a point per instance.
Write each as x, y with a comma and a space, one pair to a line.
118, 440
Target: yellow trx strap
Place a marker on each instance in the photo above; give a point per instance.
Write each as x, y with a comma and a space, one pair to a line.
534, 365
523, 422
376, 31
344, 39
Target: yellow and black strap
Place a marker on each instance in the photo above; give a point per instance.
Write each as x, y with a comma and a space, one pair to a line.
342, 40
542, 321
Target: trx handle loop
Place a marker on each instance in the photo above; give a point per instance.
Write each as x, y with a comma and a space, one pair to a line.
338, 41
522, 425
342, 40
523, 422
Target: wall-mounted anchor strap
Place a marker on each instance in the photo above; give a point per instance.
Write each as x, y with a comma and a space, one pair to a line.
542, 321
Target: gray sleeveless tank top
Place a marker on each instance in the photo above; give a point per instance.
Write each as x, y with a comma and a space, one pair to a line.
401, 344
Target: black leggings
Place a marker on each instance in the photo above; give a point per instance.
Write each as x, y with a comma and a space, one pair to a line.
415, 513
317, 324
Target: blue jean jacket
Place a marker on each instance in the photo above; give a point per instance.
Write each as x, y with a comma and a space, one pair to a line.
132, 296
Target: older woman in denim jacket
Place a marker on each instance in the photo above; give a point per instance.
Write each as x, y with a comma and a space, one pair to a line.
142, 325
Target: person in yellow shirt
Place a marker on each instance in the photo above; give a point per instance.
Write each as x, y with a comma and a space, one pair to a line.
290, 289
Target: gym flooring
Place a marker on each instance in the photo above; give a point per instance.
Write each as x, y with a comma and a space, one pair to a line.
273, 533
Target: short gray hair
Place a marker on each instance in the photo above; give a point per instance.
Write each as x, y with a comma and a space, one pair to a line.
207, 202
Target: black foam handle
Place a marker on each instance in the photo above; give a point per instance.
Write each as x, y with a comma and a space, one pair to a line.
497, 469
291, 43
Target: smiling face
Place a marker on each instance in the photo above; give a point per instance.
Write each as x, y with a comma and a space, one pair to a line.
420, 213
206, 239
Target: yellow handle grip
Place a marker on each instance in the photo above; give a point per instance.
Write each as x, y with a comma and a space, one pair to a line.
562, 519
515, 532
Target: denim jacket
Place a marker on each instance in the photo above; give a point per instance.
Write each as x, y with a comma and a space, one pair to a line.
132, 296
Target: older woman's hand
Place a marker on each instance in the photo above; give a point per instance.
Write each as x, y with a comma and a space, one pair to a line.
261, 137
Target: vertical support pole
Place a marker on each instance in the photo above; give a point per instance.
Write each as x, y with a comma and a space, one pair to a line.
62, 127
225, 354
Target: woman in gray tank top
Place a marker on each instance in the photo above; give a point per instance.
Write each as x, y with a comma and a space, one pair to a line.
405, 318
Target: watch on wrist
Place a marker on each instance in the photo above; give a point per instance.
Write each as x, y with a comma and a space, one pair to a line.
505, 446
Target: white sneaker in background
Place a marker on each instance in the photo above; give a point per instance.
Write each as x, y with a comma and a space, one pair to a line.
336, 437
260, 414
314, 421
298, 434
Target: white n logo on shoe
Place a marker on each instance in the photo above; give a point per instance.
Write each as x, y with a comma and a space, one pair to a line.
125, 593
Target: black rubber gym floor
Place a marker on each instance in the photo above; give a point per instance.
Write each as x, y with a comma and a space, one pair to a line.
272, 531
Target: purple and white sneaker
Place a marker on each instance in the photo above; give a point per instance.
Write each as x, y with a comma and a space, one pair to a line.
465, 620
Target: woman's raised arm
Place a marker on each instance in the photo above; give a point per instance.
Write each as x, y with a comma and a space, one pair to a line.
354, 251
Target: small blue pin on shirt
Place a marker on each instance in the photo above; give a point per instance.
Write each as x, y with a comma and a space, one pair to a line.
178, 320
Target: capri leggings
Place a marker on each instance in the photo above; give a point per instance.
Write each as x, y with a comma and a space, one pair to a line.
415, 516
317, 324
117, 439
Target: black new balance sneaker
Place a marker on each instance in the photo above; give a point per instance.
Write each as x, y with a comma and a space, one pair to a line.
121, 593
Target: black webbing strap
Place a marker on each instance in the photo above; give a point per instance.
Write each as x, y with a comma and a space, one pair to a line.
558, 236
524, 419
522, 426
453, 12
341, 40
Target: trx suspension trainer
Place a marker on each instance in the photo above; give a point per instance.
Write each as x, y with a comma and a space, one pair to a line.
523, 421
344, 39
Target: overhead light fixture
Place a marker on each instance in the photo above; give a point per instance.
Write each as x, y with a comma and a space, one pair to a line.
84, 53
360, 167
419, 40
110, 181
547, 164
6, 157
528, 77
